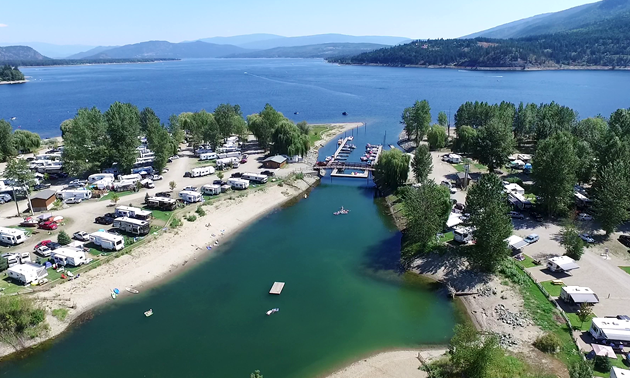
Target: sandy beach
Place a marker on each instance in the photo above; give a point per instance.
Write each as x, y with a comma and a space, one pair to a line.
163, 257
393, 364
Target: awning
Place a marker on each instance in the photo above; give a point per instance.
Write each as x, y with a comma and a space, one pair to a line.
603, 350
584, 297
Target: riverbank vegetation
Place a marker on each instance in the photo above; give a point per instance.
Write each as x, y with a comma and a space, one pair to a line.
20, 319
14, 142
10, 73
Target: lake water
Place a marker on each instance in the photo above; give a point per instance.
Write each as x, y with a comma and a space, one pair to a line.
344, 297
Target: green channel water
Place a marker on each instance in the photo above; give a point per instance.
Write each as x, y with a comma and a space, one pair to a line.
344, 298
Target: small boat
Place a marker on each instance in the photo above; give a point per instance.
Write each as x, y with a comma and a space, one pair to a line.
364, 158
392, 146
148, 313
339, 141
328, 158
350, 138
341, 211
132, 291
272, 311
344, 113
113, 295
296, 113
13, 118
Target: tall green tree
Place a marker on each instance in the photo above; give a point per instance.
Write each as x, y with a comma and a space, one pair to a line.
256, 374
175, 129
26, 141
422, 163
466, 140
288, 140
161, 143
553, 118
148, 118
18, 173
524, 121
554, 167
495, 143
417, 120
585, 168
573, 244
487, 204
86, 142
442, 119
229, 119
474, 355
611, 192
392, 169
7, 149
426, 210
123, 129
436, 137
263, 124
304, 127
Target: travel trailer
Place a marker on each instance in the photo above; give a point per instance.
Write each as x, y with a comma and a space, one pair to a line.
237, 183
132, 226
190, 197
132, 177
161, 203
202, 171
235, 154
27, 273
108, 241
225, 162
123, 185
208, 156
132, 212
80, 193
100, 176
211, 190
255, 177
12, 236
69, 256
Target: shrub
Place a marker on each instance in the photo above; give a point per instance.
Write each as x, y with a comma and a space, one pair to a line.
63, 238
20, 317
176, 223
60, 313
548, 343
4, 264
200, 211
299, 176
602, 363
191, 218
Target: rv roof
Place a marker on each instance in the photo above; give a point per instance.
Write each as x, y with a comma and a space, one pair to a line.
11, 231
132, 220
24, 268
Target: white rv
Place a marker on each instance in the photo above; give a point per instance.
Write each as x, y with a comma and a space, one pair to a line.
224, 155
12, 236
132, 212
100, 176
132, 177
208, 156
161, 203
211, 190
27, 273
237, 183
228, 149
132, 226
80, 193
255, 177
201, 171
69, 256
105, 183
12, 258
124, 185
222, 163
191, 197
108, 241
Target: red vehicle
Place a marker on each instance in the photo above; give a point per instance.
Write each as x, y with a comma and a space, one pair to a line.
48, 225
43, 243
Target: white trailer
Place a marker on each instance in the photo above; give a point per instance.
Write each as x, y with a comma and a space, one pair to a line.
237, 183
100, 176
208, 156
201, 171
12, 236
190, 196
225, 162
108, 241
27, 273
124, 185
132, 177
211, 190
234, 154
161, 203
228, 149
69, 256
255, 177
105, 183
81, 193
132, 226
132, 212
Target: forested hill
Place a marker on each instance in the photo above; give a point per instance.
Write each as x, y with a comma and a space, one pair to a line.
604, 43
18, 53
8, 73
324, 50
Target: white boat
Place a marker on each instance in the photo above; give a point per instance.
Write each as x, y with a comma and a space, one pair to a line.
339, 141
350, 138
272, 311
132, 291
148, 313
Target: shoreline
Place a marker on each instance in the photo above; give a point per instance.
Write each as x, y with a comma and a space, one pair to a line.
515, 69
13, 82
154, 263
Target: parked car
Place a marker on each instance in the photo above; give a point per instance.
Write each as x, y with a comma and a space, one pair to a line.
54, 245
48, 225
41, 186
625, 240
104, 220
236, 174
4, 198
43, 251
532, 238
536, 216
157, 178
42, 243
81, 236
217, 182
269, 173
587, 238
72, 200
163, 194
191, 188
516, 215
451, 187
584, 217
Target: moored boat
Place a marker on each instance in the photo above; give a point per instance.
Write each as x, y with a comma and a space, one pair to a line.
132, 291
272, 311
148, 313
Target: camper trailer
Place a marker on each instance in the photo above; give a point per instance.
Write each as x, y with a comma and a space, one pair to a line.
12, 236
123, 185
224, 163
208, 156
69, 256
211, 190
463, 235
27, 273
108, 241
132, 226
234, 154
132, 177
132, 212
255, 177
79, 193
12, 258
203, 150
237, 183
202, 171
190, 197
100, 176
161, 203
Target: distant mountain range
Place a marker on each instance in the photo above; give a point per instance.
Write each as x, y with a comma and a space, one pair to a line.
163, 49
324, 50
271, 41
51, 50
551, 23
16, 53
91, 52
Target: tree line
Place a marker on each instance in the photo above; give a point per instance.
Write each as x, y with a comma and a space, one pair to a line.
74, 62
14, 142
10, 73
603, 43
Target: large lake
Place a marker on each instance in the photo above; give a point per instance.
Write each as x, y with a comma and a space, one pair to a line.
344, 297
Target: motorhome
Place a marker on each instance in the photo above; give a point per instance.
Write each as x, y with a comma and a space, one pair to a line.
228, 149
69, 256
108, 241
235, 154
223, 163
202, 150
161, 203
255, 177
191, 197
463, 235
211, 190
132, 212
12, 236
132, 226
50, 166
201, 171
78, 193
237, 183
142, 171
100, 176
208, 156
132, 177
124, 185
27, 273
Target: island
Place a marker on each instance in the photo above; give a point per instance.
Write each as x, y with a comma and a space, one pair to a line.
11, 75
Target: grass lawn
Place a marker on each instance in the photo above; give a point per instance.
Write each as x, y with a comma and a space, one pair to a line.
8, 286
480, 167
618, 363
553, 290
528, 262
459, 167
575, 321
316, 133
447, 237
161, 216
109, 195
625, 269
206, 163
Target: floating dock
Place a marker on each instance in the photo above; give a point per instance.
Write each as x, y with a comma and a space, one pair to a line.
277, 288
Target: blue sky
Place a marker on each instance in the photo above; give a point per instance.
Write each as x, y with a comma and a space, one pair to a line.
115, 22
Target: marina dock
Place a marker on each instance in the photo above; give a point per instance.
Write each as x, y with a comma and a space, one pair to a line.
277, 288
338, 163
